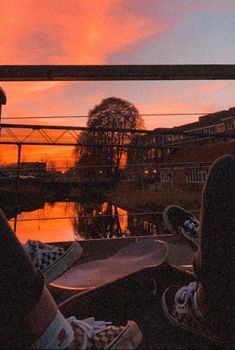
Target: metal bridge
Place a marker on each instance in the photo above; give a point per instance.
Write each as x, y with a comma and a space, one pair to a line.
44, 135
20, 135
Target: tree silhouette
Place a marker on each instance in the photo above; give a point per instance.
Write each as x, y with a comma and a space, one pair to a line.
97, 220
114, 113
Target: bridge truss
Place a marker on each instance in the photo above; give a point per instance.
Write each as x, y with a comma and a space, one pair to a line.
18, 134
47, 135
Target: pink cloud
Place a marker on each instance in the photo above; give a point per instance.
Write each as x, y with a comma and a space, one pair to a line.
74, 32
214, 86
64, 32
36, 98
172, 107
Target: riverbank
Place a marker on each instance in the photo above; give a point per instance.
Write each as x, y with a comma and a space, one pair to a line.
32, 196
132, 199
27, 199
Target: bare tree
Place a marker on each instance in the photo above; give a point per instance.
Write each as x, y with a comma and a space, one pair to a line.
114, 113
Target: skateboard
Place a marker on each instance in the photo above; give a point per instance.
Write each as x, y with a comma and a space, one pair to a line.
134, 257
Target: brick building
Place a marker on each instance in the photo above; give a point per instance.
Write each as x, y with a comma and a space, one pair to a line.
182, 155
190, 165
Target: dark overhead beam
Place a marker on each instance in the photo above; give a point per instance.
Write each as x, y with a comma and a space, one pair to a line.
117, 72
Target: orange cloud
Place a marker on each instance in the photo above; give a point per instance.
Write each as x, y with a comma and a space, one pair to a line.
74, 32
212, 86
26, 99
83, 32
172, 107
62, 32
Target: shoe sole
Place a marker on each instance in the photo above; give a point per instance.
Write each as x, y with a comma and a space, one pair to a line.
171, 228
57, 268
166, 220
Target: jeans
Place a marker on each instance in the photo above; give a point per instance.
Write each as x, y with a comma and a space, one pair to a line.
21, 286
214, 263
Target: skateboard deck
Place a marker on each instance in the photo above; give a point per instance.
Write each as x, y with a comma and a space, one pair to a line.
181, 252
133, 258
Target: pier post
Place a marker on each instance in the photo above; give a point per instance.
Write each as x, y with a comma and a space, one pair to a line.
18, 167
3, 101
17, 181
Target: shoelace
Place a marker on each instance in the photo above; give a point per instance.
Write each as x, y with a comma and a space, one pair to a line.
90, 327
192, 225
183, 297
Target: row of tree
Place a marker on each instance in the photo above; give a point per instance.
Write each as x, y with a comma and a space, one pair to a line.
101, 149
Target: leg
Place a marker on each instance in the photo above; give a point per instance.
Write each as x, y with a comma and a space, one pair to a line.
21, 286
215, 261
207, 307
30, 318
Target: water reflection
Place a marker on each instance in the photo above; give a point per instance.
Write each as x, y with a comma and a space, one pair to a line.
66, 221
52, 223
100, 220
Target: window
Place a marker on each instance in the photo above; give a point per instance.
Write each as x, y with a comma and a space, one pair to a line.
146, 225
166, 176
229, 124
220, 128
196, 175
153, 229
135, 222
151, 153
159, 153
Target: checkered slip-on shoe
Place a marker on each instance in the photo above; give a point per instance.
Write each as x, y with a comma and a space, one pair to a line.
51, 260
178, 220
180, 308
91, 334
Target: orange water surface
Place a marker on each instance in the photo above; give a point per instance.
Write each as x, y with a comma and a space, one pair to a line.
53, 223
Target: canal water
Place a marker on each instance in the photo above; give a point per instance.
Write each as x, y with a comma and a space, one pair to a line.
68, 221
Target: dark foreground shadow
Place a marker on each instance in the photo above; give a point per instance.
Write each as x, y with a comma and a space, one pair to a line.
139, 298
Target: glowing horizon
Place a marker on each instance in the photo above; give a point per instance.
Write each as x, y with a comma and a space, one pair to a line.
114, 32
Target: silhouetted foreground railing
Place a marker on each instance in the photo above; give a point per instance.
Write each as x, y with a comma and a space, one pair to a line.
117, 72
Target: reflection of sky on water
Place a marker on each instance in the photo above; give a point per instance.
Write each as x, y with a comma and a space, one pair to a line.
53, 230
67, 221
55, 222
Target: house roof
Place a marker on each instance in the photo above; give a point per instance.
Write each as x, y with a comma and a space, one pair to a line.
207, 120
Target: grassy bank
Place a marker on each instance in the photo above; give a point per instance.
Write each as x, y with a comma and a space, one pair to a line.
136, 199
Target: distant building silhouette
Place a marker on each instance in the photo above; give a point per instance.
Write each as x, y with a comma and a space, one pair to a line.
183, 154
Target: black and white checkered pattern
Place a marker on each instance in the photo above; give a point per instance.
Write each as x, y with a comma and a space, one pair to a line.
43, 255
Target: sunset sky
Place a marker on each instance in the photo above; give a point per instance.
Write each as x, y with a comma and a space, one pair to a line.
114, 32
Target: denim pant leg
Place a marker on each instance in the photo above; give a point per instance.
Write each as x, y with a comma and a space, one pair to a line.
21, 286
214, 263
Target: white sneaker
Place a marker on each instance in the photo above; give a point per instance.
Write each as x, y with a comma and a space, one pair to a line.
51, 260
91, 334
